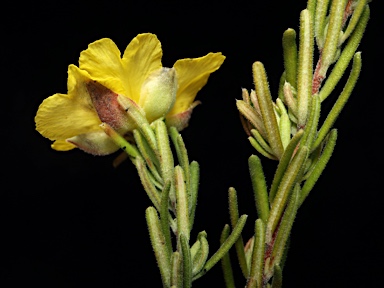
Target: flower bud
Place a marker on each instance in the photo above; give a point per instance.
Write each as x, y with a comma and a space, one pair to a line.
95, 143
158, 93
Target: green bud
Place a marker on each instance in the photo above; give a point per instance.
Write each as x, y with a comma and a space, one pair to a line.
158, 93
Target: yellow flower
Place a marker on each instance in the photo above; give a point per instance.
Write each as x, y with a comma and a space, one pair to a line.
73, 119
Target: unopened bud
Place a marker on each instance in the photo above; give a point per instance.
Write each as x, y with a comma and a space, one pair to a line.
158, 93
96, 143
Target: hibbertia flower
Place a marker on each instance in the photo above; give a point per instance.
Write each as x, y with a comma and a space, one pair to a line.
73, 120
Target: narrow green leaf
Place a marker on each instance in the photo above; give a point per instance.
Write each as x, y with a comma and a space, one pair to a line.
245, 96
149, 135
187, 263
119, 140
280, 92
137, 115
195, 249
181, 151
176, 272
285, 253
257, 263
164, 214
165, 152
289, 98
285, 129
313, 120
314, 157
255, 103
311, 7
332, 36
320, 22
172, 223
183, 159
158, 245
224, 248
148, 155
358, 11
286, 226
283, 164
266, 106
149, 187
346, 56
305, 68
193, 190
288, 181
248, 249
226, 261
260, 149
280, 105
319, 168
277, 111
259, 186
261, 141
252, 116
290, 56
341, 101
234, 217
202, 255
277, 281
181, 204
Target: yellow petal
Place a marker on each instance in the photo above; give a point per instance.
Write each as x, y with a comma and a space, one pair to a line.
192, 75
102, 60
62, 145
141, 57
62, 116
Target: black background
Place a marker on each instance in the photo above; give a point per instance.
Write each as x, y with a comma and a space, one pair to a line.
72, 220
